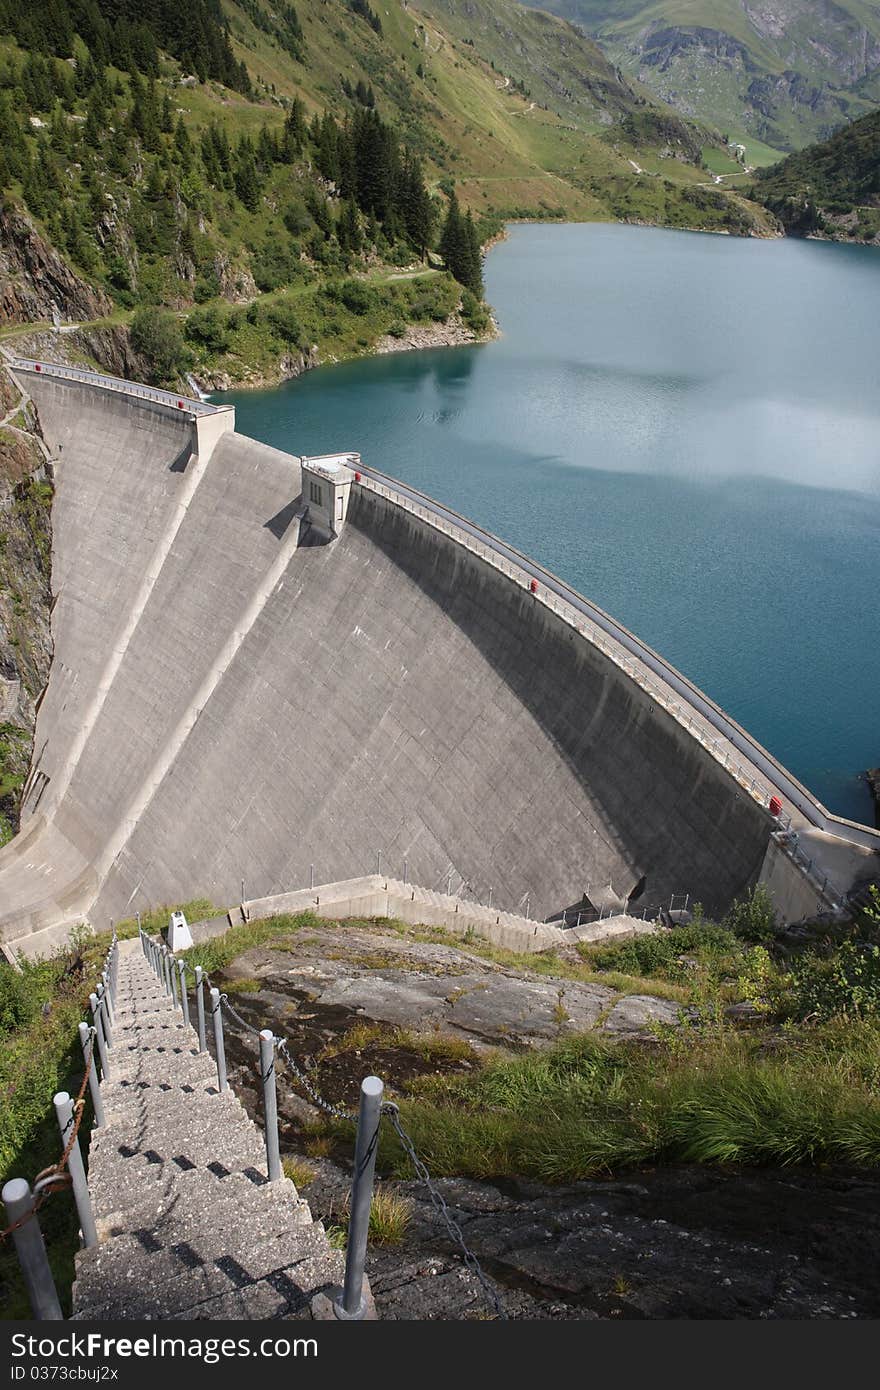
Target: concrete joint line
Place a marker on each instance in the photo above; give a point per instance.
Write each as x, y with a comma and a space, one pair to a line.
63, 777
188, 719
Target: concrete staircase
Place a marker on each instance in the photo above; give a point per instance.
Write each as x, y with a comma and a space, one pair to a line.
189, 1225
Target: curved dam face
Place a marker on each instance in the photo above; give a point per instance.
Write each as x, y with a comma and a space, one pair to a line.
237, 695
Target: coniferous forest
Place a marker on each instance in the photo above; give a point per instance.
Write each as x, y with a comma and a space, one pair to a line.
167, 214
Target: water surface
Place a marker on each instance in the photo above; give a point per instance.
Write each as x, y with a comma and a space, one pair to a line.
687, 429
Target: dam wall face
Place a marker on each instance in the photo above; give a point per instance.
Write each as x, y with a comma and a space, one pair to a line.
397, 695
234, 698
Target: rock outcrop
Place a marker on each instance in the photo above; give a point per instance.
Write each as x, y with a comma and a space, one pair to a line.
36, 282
25, 595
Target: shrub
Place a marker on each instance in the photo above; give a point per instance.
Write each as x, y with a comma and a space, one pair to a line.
275, 265
209, 327
847, 984
357, 297
658, 953
283, 320
296, 218
753, 918
474, 313
156, 336
22, 994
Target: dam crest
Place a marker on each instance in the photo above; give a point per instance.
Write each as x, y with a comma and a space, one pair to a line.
268, 666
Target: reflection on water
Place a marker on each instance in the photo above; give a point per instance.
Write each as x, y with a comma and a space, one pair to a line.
685, 427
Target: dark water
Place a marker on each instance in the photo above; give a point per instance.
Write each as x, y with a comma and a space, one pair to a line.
687, 429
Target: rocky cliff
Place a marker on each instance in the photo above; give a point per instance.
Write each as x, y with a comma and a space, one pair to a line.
25, 592
36, 282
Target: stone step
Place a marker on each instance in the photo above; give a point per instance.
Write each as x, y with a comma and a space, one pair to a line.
150, 1039
235, 1141
136, 1075
200, 1195
214, 1189
127, 1089
156, 1066
206, 1110
137, 1284
119, 1182
189, 1226
147, 1142
266, 1238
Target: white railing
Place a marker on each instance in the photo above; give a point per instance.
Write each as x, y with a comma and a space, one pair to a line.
119, 384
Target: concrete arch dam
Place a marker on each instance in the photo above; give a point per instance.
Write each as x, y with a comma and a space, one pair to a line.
247, 683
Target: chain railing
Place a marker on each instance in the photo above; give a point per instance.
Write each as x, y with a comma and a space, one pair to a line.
351, 1303
23, 1200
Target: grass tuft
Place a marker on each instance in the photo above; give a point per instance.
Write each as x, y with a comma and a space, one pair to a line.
298, 1170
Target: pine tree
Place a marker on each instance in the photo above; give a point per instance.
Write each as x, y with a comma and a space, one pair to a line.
183, 145
451, 241
348, 228
267, 150
474, 281
416, 206
247, 183
460, 248
295, 131
327, 154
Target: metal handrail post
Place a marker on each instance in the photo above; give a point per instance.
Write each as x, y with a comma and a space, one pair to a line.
200, 1010
85, 1034
184, 1001
75, 1167
270, 1103
351, 1304
19, 1202
172, 967
105, 1016
105, 981
217, 1016
101, 1041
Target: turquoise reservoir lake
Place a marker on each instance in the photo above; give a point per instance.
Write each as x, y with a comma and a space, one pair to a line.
687, 429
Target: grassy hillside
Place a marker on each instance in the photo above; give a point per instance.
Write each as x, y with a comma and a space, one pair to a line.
786, 73
832, 188
269, 189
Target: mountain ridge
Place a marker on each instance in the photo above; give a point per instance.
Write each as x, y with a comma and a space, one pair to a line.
782, 73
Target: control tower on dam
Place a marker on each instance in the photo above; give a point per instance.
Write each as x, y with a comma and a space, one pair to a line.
279, 670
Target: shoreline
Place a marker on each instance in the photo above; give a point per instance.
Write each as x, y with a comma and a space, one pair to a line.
451, 333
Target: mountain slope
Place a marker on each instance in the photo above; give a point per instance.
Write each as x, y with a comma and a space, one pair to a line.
832, 188
782, 72
295, 161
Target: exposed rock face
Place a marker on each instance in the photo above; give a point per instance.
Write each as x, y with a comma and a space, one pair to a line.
453, 333
34, 278
112, 350
109, 346
289, 365
236, 285
25, 599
